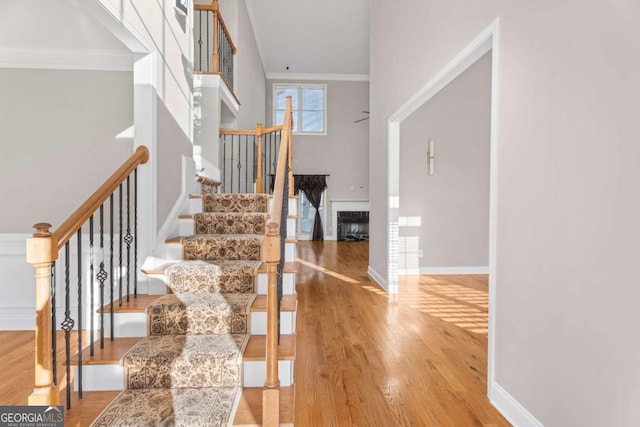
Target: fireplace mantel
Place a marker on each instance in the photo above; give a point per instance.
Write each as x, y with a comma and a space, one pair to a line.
344, 205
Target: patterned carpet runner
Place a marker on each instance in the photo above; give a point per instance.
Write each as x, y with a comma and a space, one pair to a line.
188, 371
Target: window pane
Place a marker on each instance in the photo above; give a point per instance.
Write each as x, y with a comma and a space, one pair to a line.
279, 117
312, 99
312, 121
281, 97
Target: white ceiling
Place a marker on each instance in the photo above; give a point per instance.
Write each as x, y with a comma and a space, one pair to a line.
60, 34
312, 37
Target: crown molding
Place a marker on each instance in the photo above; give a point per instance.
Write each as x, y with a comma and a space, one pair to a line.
320, 77
67, 59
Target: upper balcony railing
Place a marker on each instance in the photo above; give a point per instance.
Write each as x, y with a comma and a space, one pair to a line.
214, 49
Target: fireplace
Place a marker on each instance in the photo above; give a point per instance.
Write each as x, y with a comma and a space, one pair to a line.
352, 226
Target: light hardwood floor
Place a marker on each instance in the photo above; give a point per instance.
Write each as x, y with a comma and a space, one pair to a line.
364, 358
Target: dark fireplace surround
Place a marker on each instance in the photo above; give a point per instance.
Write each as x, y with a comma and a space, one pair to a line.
352, 226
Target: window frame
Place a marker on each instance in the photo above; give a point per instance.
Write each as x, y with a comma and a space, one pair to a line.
299, 87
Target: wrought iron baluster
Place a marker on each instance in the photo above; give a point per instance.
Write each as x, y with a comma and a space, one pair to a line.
135, 233
54, 326
91, 292
111, 267
233, 138
283, 236
67, 324
120, 247
79, 238
246, 164
102, 276
128, 238
239, 165
224, 163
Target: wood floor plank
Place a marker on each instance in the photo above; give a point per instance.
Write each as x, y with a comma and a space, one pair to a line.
368, 358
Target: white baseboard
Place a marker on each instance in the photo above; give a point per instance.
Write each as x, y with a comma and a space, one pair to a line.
17, 319
378, 278
511, 409
443, 271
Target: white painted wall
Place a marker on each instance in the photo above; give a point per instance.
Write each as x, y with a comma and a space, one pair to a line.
448, 212
250, 76
567, 174
169, 34
58, 131
343, 151
59, 141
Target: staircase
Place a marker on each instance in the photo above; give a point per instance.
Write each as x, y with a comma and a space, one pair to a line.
196, 355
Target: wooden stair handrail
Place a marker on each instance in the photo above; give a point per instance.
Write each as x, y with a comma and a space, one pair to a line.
215, 8
42, 252
271, 249
258, 131
69, 227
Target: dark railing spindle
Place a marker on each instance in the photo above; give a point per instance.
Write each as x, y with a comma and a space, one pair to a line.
283, 237
112, 282
135, 233
54, 326
91, 283
67, 324
128, 238
102, 276
231, 165
79, 237
239, 165
120, 247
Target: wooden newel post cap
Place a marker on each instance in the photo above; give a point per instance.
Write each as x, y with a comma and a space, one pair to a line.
273, 229
42, 230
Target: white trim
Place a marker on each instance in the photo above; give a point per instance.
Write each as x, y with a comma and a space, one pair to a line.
511, 409
427, 271
487, 40
255, 36
377, 277
319, 77
172, 222
67, 59
117, 24
300, 87
215, 81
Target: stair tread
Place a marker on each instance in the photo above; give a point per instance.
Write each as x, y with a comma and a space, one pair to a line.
289, 267
255, 350
289, 303
110, 354
249, 412
179, 239
135, 305
139, 305
195, 196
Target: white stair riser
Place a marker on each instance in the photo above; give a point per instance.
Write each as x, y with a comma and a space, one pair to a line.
255, 373
135, 324
293, 206
174, 252
111, 377
288, 284
187, 227
100, 377
258, 325
157, 284
195, 205
290, 252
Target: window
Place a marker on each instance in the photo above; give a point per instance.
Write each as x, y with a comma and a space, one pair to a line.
309, 107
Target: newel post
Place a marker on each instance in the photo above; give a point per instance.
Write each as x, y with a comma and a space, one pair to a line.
271, 391
42, 251
259, 179
215, 57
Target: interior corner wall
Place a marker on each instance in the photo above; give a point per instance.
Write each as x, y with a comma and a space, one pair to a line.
171, 35
343, 152
567, 217
58, 143
447, 213
58, 140
250, 77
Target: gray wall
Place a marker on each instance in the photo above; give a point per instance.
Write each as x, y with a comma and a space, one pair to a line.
567, 232
344, 151
250, 80
453, 204
57, 132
